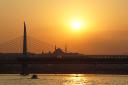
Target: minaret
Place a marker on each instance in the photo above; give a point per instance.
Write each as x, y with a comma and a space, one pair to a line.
25, 41
65, 48
55, 47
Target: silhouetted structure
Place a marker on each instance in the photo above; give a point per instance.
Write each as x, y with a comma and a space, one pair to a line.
59, 60
66, 49
25, 41
24, 66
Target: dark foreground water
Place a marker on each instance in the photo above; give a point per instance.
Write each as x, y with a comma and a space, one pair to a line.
64, 79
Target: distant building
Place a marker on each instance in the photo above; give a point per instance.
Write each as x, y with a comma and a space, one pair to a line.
58, 53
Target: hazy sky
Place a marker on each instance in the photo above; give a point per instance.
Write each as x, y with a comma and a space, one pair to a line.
105, 23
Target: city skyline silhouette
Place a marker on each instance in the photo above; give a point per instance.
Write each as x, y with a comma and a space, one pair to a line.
89, 27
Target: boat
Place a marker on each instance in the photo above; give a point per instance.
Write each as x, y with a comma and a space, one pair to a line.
34, 76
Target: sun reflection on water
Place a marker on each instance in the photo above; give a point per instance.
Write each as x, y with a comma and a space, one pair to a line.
77, 79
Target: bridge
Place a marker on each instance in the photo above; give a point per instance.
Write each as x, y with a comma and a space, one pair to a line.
51, 59
58, 57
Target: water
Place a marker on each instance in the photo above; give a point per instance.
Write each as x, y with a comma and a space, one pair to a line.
64, 79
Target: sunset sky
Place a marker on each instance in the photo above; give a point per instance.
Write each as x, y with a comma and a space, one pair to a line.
102, 25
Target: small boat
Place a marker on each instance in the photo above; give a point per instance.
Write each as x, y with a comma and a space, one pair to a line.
22, 74
77, 75
34, 76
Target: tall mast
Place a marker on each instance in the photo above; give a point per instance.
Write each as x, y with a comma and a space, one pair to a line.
25, 40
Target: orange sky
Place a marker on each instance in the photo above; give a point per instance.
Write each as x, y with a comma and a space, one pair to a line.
105, 23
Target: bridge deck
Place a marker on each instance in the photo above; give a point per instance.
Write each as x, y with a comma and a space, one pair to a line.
65, 60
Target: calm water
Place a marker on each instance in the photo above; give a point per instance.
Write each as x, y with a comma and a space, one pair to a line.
58, 79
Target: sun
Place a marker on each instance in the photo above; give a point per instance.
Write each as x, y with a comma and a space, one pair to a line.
76, 25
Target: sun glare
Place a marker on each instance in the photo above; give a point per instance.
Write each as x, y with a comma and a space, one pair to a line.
76, 25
